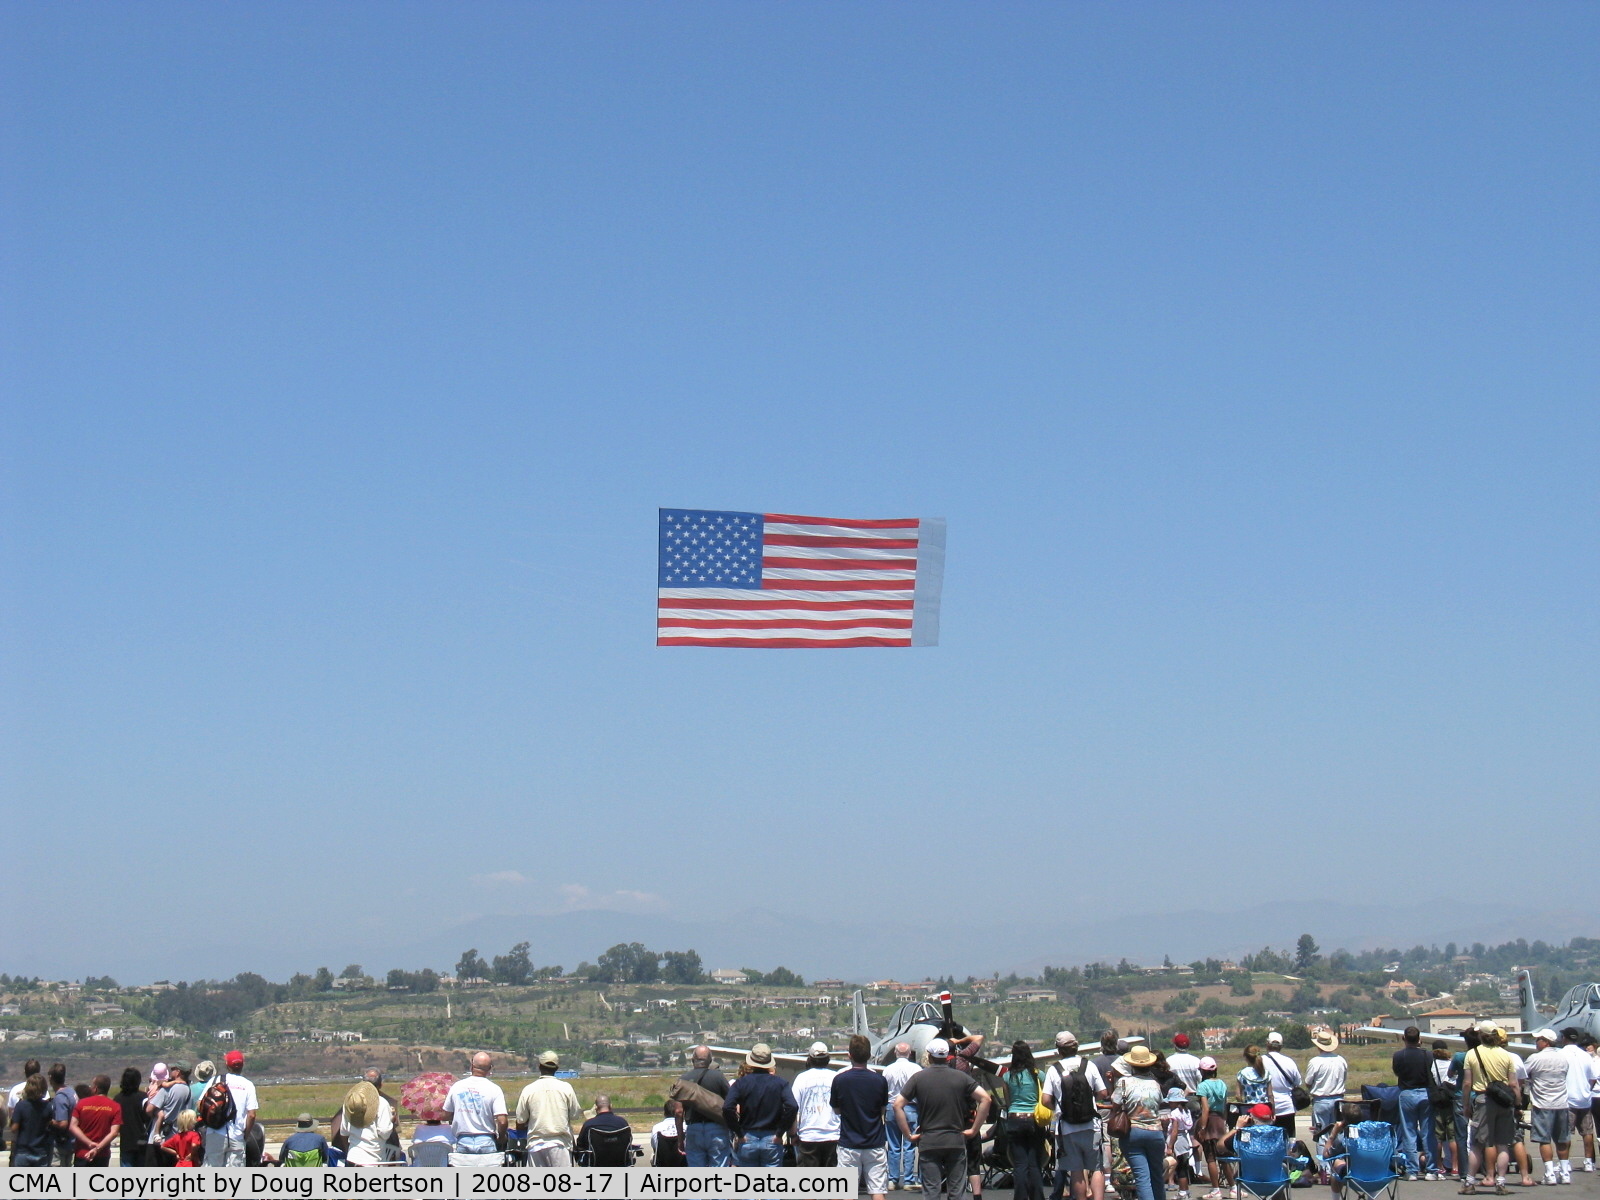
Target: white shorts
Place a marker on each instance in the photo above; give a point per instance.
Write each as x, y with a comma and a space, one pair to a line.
872, 1165
557, 1156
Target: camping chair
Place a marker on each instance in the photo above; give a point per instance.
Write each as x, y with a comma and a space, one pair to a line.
1371, 1165
1262, 1173
610, 1148
335, 1156
516, 1152
433, 1153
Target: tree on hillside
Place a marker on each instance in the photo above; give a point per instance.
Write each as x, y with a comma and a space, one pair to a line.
1305, 953
324, 980
471, 966
682, 966
514, 968
783, 977
628, 962
353, 971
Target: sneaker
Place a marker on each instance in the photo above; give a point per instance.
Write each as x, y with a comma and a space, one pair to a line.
1588, 1164
1413, 1178
1549, 1179
1432, 1177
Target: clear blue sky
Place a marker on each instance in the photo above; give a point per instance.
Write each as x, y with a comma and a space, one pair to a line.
1250, 351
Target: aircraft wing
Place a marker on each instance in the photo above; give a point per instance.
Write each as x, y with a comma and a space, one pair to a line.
1452, 1040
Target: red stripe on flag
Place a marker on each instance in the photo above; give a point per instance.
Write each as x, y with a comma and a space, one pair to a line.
785, 643
819, 605
818, 539
841, 585
784, 623
842, 522
842, 564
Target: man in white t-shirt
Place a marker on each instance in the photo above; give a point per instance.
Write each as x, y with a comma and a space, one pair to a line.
816, 1124
225, 1146
902, 1150
1284, 1074
31, 1067
1078, 1153
1550, 1121
1581, 1072
477, 1111
1326, 1075
1183, 1064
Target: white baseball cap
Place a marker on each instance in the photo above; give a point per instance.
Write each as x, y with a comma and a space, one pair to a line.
1548, 1035
938, 1048
1066, 1038
818, 1050
1274, 1038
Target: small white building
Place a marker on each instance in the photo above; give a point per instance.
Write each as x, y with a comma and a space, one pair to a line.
225, 1035
104, 1034
726, 976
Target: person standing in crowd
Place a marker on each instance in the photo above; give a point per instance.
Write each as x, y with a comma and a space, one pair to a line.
1326, 1075
759, 1107
1490, 1073
1178, 1122
1023, 1133
135, 1123
225, 1146
1255, 1084
816, 1125
96, 1120
902, 1150
1467, 1154
705, 1137
951, 1108
1106, 1059
367, 1122
1144, 1146
32, 1138
165, 1100
1212, 1127
859, 1096
476, 1107
1285, 1075
1550, 1117
1413, 1071
1444, 1112
29, 1070
62, 1101
1183, 1065
546, 1112
1073, 1090
1581, 1081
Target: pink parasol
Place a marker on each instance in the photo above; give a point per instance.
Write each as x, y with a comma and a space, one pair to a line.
425, 1094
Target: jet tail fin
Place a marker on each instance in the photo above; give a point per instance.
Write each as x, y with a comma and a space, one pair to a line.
1531, 1019
858, 1020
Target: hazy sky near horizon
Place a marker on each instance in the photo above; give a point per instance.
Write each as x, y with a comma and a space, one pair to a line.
1250, 352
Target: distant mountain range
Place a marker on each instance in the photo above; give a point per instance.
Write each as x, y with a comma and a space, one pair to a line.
865, 949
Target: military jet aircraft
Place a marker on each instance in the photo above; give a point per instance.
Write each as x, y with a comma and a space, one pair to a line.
1579, 1008
916, 1023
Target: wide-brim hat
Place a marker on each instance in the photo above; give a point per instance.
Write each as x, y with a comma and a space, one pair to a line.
760, 1057
1140, 1056
361, 1105
1325, 1039
204, 1069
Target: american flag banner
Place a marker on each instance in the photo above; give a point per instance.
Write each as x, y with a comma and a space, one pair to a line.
775, 581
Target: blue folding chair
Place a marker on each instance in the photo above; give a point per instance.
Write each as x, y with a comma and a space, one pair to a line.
1263, 1172
335, 1156
1371, 1163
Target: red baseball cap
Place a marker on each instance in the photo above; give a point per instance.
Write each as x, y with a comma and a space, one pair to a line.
234, 1058
1261, 1112
1181, 1040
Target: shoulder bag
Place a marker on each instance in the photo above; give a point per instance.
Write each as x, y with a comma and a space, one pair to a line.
1298, 1096
1496, 1089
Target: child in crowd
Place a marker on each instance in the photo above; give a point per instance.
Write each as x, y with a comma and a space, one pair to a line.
1212, 1127
186, 1142
1178, 1122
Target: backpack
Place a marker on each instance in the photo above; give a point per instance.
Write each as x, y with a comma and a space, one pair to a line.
216, 1106
1077, 1097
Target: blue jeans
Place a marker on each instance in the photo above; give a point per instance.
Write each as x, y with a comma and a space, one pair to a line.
902, 1151
760, 1150
706, 1144
1146, 1152
1416, 1131
1324, 1114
